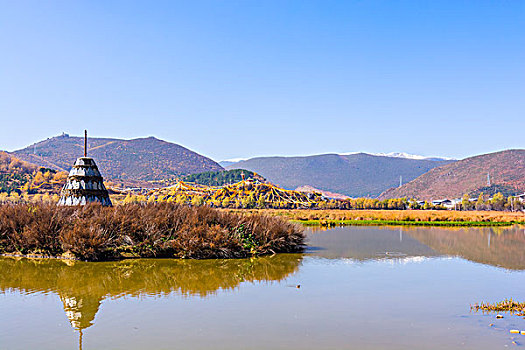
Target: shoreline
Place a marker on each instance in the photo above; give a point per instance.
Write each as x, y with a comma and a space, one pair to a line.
361, 217
335, 223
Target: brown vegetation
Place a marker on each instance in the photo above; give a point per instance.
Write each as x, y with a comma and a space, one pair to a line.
93, 232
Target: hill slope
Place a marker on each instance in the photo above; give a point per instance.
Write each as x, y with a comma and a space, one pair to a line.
14, 173
506, 169
355, 175
25, 178
142, 159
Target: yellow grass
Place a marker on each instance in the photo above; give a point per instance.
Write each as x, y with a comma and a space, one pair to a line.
397, 215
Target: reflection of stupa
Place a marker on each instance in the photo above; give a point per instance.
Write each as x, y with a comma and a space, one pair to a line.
82, 286
84, 183
81, 312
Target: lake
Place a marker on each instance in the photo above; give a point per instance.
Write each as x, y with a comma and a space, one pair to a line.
353, 288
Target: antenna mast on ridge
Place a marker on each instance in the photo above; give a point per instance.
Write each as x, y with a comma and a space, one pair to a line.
85, 143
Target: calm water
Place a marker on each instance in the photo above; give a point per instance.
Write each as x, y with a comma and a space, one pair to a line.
360, 288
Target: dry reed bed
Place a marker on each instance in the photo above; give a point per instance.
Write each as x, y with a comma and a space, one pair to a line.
94, 232
397, 215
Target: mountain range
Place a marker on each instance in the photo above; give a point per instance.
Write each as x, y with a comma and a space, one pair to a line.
227, 162
354, 175
150, 162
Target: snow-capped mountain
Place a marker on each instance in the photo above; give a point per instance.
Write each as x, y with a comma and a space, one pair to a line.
401, 155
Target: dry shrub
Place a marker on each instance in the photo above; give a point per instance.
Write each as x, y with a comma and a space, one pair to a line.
87, 241
25, 227
93, 232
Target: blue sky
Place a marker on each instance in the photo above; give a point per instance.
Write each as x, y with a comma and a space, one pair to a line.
248, 78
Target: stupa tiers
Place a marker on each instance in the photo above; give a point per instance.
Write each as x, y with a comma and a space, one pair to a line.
84, 183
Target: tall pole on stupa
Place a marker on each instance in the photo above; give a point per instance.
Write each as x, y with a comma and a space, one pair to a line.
85, 143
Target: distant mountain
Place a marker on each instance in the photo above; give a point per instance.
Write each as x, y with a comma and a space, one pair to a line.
402, 155
327, 194
228, 162
354, 175
506, 170
143, 159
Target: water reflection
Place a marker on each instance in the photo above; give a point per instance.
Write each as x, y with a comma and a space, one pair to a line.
82, 286
366, 243
496, 246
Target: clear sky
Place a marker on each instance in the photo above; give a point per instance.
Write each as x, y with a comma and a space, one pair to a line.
248, 78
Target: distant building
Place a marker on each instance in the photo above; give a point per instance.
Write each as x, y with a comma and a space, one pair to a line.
447, 203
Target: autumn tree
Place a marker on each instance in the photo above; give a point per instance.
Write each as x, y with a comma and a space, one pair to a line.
197, 201
497, 202
465, 202
480, 203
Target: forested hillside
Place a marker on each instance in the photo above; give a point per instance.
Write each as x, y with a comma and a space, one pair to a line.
19, 178
219, 178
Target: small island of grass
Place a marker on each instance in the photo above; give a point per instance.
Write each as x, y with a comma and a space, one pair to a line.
507, 305
163, 230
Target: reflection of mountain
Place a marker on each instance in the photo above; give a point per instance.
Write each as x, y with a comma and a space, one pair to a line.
503, 247
82, 286
365, 243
